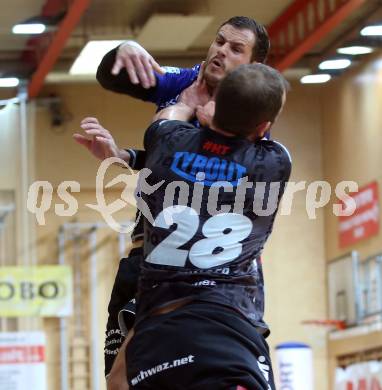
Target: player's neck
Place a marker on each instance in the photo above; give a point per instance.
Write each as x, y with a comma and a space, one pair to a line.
212, 85
252, 137
220, 131
211, 89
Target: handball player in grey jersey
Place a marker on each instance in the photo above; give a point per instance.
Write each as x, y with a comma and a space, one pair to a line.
195, 299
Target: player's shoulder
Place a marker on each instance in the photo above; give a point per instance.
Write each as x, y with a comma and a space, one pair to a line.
173, 125
271, 157
277, 147
172, 69
282, 148
172, 83
171, 128
176, 70
169, 132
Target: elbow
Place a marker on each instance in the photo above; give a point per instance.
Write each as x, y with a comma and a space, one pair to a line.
103, 75
101, 78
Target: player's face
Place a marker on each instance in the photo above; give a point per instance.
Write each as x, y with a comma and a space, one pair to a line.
232, 47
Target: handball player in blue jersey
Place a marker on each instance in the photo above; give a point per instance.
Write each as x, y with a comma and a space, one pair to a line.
131, 70
196, 323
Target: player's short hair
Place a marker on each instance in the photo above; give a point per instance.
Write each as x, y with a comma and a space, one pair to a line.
248, 96
262, 43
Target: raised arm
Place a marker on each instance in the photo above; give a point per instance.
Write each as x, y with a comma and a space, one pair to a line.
129, 69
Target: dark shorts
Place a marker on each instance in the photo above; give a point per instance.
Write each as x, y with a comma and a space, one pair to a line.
199, 346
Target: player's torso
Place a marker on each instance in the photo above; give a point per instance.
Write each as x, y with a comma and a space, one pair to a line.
203, 213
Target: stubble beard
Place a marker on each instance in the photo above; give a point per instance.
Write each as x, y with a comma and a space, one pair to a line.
212, 81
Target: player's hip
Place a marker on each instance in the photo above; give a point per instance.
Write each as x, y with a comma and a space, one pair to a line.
200, 344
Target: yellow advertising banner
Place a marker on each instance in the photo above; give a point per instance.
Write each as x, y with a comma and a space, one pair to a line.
38, 291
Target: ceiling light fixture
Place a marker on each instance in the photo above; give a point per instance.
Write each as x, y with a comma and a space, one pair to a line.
91, 55
315, 79
29, 28
9, 82
341, 63
375, 30
355, 50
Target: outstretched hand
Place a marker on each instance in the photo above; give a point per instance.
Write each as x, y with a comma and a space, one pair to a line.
139, 64
101, 144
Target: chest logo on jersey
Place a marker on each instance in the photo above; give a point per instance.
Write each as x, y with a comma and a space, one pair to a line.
215, 148
188, 165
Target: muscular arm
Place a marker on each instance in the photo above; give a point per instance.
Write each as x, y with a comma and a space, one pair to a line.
178, 111
130, 69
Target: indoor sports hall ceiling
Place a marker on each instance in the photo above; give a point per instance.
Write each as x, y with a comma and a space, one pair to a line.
155, 22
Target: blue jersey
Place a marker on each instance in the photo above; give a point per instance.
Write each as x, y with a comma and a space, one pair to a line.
172, 83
